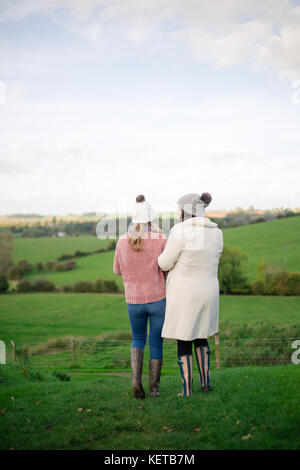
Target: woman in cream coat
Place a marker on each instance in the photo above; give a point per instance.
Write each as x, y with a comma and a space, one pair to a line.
191, 257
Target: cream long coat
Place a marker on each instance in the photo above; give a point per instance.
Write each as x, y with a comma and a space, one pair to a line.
192, 256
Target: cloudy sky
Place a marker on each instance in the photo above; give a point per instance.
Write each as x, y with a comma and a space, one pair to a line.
103, 99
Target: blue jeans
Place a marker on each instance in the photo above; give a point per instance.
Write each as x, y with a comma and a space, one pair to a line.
138, 317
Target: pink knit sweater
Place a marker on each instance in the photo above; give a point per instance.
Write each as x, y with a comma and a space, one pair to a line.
142, 278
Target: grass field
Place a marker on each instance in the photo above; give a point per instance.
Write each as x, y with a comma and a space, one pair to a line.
88, 268
49, 248
100, 323
31, 318
274, 241
250, 408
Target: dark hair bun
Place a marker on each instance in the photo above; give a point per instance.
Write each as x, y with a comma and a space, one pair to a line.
140, 198
206, 198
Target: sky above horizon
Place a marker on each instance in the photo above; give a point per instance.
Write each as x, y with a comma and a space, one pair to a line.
101, 100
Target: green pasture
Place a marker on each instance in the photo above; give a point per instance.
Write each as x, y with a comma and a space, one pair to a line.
49, 248
275, 241
45, 323
31, 318
88, 268
250, 408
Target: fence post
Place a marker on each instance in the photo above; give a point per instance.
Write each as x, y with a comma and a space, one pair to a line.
13, 351
217, 343
2, 352
73, 350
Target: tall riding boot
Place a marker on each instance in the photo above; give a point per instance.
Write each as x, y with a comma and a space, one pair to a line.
137, 356
154, 376
185, 363
202, 355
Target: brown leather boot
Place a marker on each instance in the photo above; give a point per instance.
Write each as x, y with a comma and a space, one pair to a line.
137, 355
154, 376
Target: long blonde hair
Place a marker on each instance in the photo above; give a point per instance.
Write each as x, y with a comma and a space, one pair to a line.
136, 235
135, 239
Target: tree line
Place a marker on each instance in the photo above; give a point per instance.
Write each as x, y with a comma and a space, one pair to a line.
77, 228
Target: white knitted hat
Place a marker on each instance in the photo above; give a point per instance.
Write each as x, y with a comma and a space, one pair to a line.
142, 213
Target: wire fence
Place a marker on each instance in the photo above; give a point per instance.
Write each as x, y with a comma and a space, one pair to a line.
113, 354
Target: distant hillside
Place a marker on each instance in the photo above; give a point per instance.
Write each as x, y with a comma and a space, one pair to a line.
277, 241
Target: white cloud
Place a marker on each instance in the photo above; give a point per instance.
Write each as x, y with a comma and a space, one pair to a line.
282, 51
235, 46
224, 32
80, 156
63, 155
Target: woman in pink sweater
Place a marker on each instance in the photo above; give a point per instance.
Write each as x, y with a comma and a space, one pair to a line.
136, 261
